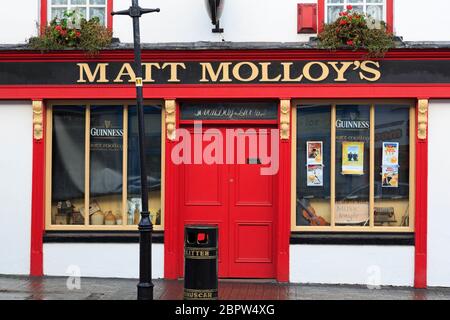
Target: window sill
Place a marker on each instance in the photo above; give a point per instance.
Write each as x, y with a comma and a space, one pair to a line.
345, 238
98, 237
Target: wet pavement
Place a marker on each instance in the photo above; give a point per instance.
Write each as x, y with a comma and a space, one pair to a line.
63, 288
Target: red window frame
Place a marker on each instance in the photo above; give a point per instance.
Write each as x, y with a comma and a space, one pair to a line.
44, 14
389, 14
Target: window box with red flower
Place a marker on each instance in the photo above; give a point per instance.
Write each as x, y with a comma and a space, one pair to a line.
356, 31
71, 31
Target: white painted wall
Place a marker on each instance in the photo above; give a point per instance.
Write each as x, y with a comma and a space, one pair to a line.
186, 21
438, 194
15, 186
418, 20
267, 20
103, 260
243, 20
344, 264
18, 20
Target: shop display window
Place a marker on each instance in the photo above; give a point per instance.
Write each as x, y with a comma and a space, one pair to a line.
95, 165
354, 165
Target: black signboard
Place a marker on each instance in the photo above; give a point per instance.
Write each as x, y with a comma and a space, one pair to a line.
235, 72
229, 111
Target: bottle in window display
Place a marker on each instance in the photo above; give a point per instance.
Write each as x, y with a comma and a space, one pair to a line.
110, 219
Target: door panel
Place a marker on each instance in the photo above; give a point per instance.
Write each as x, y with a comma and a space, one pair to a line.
205, 200
253, 242
251, 216
238, 199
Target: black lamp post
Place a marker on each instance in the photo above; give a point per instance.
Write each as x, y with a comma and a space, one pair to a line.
145, 285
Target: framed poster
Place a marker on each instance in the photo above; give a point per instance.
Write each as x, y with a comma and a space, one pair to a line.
314, 152
389, 177
353, 157
314, 175
390, 153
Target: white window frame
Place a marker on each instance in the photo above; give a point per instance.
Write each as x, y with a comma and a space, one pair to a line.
363, 3
70, 6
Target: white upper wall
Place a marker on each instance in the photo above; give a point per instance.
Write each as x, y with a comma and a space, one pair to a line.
188, 21
418, 20
18, 20
242, 20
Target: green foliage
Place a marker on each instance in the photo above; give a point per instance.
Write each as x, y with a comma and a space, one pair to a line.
358, 32
73, 32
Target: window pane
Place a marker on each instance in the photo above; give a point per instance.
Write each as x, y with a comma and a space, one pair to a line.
359, 9
97, 12
356, 1
106, 157
68, 144
78, 2
375, 12
152, 116
97, 2
335, 1
352, 165
57, 13
59, 2
81, 11
333, 13
313, 165
391, 165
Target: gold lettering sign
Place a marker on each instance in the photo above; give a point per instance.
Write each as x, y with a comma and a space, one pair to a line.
233, 72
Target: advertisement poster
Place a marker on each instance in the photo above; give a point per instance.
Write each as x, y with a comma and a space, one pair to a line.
390, 153
389, 172
314, 152
353, 157
314, 175
389, 177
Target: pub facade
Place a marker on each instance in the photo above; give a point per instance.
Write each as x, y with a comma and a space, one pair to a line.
317, 166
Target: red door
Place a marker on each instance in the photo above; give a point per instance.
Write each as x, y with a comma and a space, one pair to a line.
234, 195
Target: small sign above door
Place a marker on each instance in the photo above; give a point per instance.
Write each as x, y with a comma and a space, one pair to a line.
229, 111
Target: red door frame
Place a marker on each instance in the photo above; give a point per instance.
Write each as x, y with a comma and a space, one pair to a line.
174, 224
343, 91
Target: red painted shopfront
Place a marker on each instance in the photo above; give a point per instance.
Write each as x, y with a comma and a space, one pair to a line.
253, 211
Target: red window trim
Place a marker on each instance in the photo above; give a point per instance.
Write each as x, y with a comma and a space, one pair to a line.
389, 14
44, 14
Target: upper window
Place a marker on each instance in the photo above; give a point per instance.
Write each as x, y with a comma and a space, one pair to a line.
374, 8
85, 9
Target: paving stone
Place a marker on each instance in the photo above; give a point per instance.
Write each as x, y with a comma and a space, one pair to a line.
56, 288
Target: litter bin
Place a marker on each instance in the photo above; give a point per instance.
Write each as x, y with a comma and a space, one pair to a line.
200, 262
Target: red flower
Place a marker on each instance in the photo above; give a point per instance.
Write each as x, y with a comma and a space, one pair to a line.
349, 7
58, 28
78, 34
350, 42
63, 32
342, 22
344, 13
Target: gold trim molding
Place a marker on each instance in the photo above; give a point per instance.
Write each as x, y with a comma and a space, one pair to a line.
422, 119
38, 118
285, 119
170, 107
